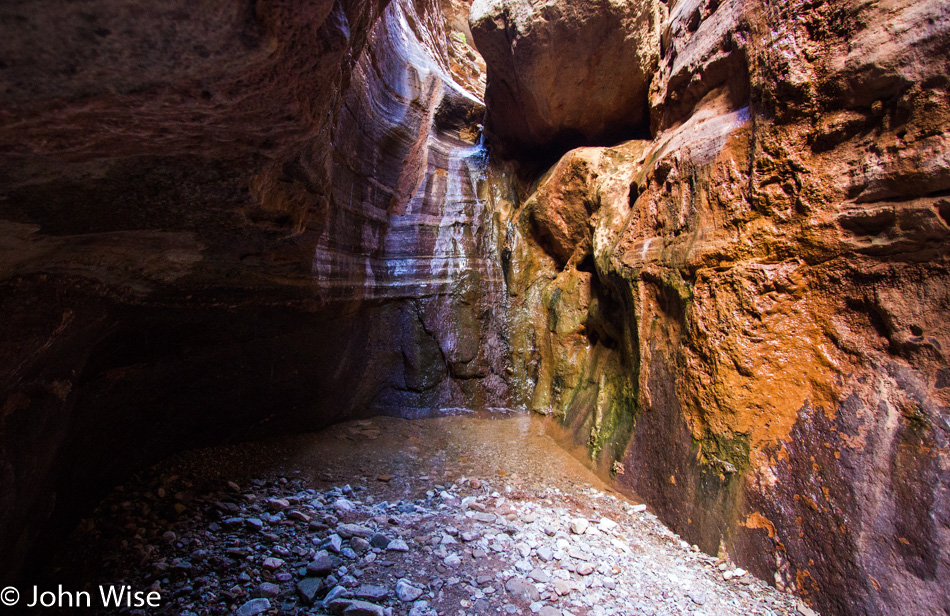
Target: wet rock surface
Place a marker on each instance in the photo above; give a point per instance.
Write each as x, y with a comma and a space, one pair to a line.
475, 536
744, 316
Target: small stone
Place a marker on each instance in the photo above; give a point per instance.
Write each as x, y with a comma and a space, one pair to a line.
308, 588
727, 575
278, 504
540, 575
545, 553
562, 587
169, 536
698, 597
549, 611
272, 564
254, 523
253, 607
406, 591
299, 516
421, 608
363, 608
343, 505
359, 545
804, 610
337, 592
579, 526
268, 590
398, 545
348, 531
522, 590
452, 560
480, 516
321, 564
638, 508
384, 478
606, 525
585, 569
371, 592
379, 541
333, 543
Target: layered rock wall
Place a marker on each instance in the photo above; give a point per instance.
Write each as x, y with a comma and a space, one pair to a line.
223, 221
745, 316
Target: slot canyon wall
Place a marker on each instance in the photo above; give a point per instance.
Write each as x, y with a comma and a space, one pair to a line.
222, 221
744, 313
712, 241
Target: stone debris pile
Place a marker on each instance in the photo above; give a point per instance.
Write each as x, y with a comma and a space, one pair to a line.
472, 547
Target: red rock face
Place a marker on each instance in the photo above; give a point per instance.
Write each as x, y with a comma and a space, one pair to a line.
565, 73
225, 221
746, 315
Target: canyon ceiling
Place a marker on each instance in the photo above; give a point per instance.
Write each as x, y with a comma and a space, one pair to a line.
708, 236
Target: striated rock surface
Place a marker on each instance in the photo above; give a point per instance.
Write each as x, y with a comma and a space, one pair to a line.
565, 72
746, 317
223, 221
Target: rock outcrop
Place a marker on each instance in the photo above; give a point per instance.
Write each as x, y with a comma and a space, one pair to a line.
565, 72
224, 221
745, 317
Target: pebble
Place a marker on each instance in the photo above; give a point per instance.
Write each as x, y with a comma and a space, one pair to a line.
253, 523
278, 504
522, 590
371, 592
272, 564
562, 587
343, 505
253, 607
698, 597
334, 543
321, 564
348, 531
406, 592
524, 549
363, 608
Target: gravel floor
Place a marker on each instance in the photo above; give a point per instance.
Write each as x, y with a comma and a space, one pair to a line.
361, 527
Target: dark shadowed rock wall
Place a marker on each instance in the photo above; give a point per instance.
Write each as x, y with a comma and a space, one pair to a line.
746, 316
223, 220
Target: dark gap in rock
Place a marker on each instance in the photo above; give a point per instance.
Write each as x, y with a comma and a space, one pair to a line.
869, 223
634, 194
587, 264
943, 209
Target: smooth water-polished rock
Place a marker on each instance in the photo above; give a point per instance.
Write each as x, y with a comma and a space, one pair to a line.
228, 221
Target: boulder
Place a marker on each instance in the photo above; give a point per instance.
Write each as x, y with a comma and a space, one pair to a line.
566, 72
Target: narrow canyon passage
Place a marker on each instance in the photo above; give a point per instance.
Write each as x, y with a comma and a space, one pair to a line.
454, 307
